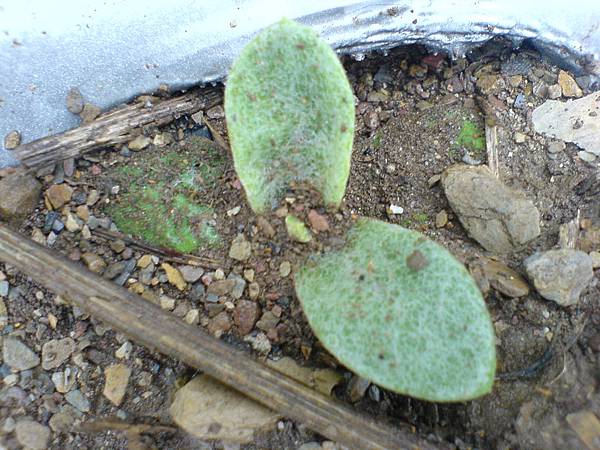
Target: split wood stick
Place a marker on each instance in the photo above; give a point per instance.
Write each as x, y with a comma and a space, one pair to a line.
113, 127
147, 324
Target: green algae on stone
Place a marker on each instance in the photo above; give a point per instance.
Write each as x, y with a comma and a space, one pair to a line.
290, 115
160, 199
297, 230
398, 309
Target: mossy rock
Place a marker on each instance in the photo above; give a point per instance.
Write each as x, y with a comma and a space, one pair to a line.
290, 115
161, 196
398, 309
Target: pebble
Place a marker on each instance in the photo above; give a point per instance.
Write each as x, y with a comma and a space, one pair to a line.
245, 316
285, 268
139, 143
491, 273
174, 276
221, 287
12, 140
499, 218
117, 246
569, 86
71, 223
520, 137
249, 275
192, 317
560, 275
17, 355
167, 303
116, 381
595, 259
4, 288
240, 249
586, 156
32, 435
126, 272
62, 420
3, 314
210, 410
556, 147
52, 237
93, 262
265, 227
441, 219
197, 292
114, 269
357, 387
238, 288
268, 321
253, 290
554, 91
216, 112
58, 195
144, 261
74, 101
234, 211
124, 351
191, 274
78, 400
395, 209
19, 195
56, 352
65, 380
89, 112
318, 222
219, 324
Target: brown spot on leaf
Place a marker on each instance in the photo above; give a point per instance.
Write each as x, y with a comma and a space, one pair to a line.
416, 261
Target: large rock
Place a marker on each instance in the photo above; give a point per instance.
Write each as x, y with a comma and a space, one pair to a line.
576, 121
499, 218
208, 409
560, 275
18, 197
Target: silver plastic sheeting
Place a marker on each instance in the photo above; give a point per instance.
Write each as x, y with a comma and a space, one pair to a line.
114, 50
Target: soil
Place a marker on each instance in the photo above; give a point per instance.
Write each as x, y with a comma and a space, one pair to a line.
417, 114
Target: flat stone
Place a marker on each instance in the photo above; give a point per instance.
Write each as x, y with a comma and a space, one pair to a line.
192, 317
56, 352
116, 380
318, 222
245, 316
219, 324
32, 435
499, 218
268, 321
12, 140
576, 121
568, 85
58, 195
285, 268
71, 223
441, 219
209, 410
74, 101
4, 286
191, 274
238, 288
3, 312
19, 195
89, 112
174, 276
586, 156
560, 275
240, 249
62, 421
500, 277
78, 400
117, 246
139, 143
17, 355
167, 303
93, 262
144, 261
221, 287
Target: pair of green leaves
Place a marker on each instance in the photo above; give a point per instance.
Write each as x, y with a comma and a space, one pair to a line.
393, 306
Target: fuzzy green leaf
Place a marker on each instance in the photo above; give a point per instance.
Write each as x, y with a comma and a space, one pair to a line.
290, 115
398, 309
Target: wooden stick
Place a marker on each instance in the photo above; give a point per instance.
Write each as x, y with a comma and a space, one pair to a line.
111, 128
149, 325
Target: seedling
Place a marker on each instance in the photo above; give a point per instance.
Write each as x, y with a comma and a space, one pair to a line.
392, 305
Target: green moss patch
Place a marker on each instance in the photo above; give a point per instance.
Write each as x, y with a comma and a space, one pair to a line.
471, 137
161, 196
